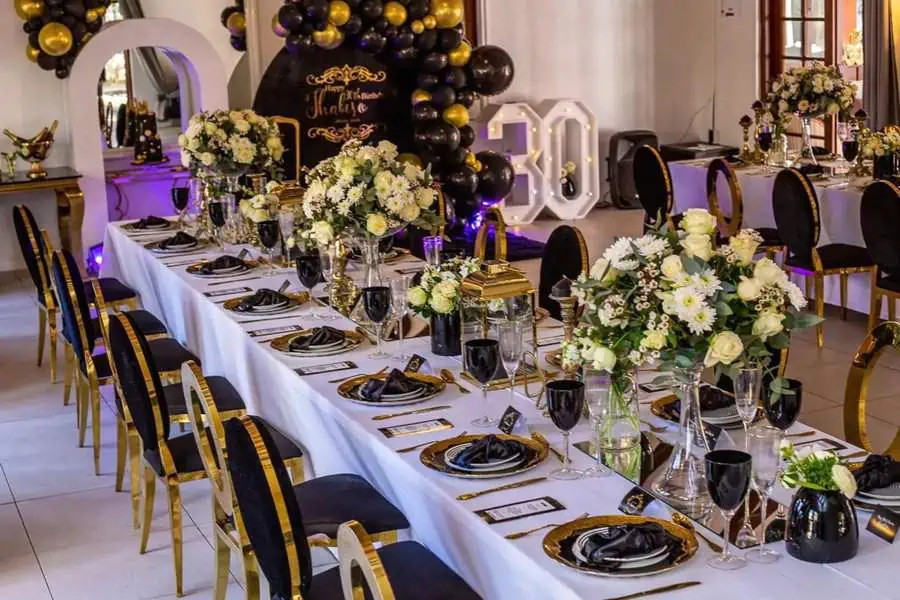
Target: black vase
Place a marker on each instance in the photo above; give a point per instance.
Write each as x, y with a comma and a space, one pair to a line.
883, 167
821, 527
446, 331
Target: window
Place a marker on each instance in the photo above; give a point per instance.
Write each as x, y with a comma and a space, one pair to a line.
471, 22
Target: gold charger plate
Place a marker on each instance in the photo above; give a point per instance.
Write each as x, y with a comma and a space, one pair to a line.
433, 456
299, 298
194, 270
662, 408
283, 344
132, 228
155, 248
554, 359
558, 543
349, 388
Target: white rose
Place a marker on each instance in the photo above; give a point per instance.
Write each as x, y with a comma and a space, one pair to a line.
447, 288
749, 290
376, 224
844, 479
242, 126
185, 159
744, 248
698, 245
604, 359
724, 348
207, 159
416, 296
442, 304
603, 272
768, 324
654, 340
276, 148
210, 129
698, 221
425, 197
672, 267
768, 272
322, 232
410, 212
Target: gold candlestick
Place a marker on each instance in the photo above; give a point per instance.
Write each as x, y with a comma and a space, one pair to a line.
859, 168
344, 293
758, 110
562, 293
746, 154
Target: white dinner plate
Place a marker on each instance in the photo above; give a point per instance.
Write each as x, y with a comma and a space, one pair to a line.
632, 562
889, 493
491, 467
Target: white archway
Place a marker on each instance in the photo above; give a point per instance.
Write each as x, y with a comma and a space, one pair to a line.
201, 77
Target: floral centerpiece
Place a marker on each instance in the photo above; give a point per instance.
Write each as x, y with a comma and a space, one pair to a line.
231, 143
883, 148
261, 207
821, 524
437, 297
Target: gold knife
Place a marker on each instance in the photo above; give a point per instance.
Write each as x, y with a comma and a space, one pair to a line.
659, 590
410, 412
542, 440
500, 488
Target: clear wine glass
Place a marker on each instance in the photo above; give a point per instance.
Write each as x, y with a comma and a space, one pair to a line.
764, 445
511, 351
399, 289
326, 259
596, 393
747, 389
286, 225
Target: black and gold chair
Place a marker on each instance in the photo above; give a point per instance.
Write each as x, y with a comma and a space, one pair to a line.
290, 135
29, 238
565, 255
653, 183
879, 216
797, 216
884, 336
92, 369
278, 525
731, 224
206, 424
493, 220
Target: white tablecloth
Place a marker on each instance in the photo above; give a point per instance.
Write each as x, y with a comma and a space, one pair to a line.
341, 437
839, 210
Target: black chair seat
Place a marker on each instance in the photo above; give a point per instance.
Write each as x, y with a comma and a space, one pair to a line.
411, 569
770, 237
146, 322
224, 395
326, 502
184, 452
101, 365
113, 290
834, 256
890, 282
168, 355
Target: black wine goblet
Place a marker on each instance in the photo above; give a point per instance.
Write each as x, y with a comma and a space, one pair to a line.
377, 304
218, 215
269, 234
565, 403
309, 271
180, 197
727, 480
850, 150
783, 407
482, 361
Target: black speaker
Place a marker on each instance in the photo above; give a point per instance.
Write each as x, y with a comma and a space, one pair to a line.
622, 147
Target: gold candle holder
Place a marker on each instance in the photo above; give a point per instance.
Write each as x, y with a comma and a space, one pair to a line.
758, 110
859, 168
746, 154
562, 293
344, 293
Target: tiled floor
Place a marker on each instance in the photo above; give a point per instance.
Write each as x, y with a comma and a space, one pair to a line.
65, 533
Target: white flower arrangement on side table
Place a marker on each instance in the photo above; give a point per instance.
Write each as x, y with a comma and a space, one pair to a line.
231, 143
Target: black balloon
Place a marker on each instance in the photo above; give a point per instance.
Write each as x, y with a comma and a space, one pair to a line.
46, 62
226, 12
239, 43
443, 96
56, 13
406, 57
75, 8
466, 136
466, 98
448, 39
417, 9
497, 177
427, 40
52, 3
455, 77
62, 72
34, 41
453, 160
420, 138
430, 157
491, 70
307, 28
443, 137
68, 20
461, 182
290, 17
428, 81
79, 30
316, 10
33, 25
424, 112
95, 26
296, 43
353, 26
390, 32
434, 62
354, 3
404, 39
372, 9
372, 42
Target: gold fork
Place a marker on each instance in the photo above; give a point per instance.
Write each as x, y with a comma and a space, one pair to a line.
410, 412
521, 534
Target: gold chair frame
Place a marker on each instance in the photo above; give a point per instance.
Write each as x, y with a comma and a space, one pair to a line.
819, 272
279, 120
877, 293
360, 565
228, 524
667, 179
857, 392
493, 217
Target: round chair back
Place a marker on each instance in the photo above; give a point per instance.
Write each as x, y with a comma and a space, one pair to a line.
31, 244
269, 508
566, 255
654, 185
879, 216
796, 209
729, 223
73, 305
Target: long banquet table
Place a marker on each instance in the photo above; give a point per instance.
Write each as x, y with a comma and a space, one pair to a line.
340, 436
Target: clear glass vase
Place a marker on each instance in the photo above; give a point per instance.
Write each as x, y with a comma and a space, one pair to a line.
683, 483
616, 414
372, 259
807, 155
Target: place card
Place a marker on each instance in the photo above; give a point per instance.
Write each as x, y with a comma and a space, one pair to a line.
822, 444
635, 501
228, 292
255, 333
519, 510
509, 420
884, 523
415, 363
551, 341
344, 365
417, 428
410, 271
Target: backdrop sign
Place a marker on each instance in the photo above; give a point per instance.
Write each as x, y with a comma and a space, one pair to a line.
336, 95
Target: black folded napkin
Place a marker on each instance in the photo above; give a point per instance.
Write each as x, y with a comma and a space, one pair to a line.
711, 398
812, 169
223, 262
319, 337
151, 221
395, 383
179, 239
877, 472
262, 298
489, 448
625, 541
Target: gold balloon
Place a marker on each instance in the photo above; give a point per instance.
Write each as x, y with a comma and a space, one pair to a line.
417, 27
478, 167
412, 159
277, 28
236, 23
339, 12
329, 38
55, 39
421, 96
457, 115
29, 9
449, 13
471, 159
459, 56
32, 53
92, 15
430, 22
395, 13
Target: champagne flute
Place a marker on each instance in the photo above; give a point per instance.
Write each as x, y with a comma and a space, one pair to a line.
565, 402
326, 260
596, 384
269, 235
482, 361
747, 388
764, 448
180, 197
511, 350
377, 304
727, 480
399, 289
286, 225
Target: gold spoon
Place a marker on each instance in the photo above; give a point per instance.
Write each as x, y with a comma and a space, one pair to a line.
448, 377
521, 534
